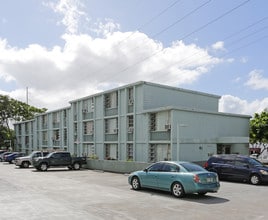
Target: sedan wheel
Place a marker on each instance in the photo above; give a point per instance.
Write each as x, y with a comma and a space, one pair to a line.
255, 179
135, 183
177, 190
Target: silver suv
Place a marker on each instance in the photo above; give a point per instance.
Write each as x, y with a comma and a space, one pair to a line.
25, 162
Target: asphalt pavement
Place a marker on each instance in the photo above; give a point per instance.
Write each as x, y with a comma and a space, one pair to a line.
27, 194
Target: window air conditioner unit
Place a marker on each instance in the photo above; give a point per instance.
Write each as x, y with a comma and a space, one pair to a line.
168, 126
130, 130
130, 101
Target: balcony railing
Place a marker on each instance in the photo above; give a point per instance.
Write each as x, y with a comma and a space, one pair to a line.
130, 136
111, 137
87, 115
56, 124
88, 138
111, 111
159, 135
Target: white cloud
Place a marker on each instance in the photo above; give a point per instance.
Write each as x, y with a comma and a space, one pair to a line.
71, 11
105, 28
257, 81
218, 46
85, 64
232, 104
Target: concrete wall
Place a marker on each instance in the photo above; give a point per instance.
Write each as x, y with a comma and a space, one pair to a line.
116, 166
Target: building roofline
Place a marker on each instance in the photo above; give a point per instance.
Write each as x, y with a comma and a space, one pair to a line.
194, 110
145, 83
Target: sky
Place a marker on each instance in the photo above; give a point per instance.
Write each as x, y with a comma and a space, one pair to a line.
55, 51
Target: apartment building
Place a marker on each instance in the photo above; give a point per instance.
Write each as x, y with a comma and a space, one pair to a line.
142, 122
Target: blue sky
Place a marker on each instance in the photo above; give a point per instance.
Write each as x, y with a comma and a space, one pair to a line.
67, 49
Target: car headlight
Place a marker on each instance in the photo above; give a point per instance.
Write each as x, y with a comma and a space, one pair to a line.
263, 172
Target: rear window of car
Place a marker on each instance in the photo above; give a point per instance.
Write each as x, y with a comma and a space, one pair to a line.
190, 167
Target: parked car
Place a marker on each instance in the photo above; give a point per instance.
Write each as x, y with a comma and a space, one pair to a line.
179, 178
59, 159
2, 151
10, 158
2, 156
25, 162
238, 167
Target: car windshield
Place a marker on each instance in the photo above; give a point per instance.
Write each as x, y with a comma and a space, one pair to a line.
49, 154
255, 162
190, 167
33, 154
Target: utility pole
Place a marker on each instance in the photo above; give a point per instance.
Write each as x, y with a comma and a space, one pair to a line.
27, 95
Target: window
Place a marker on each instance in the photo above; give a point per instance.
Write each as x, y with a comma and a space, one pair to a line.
111, 100
111, 151
130, 122
44, 136
130, 96
56, 135
75, 128
44, 121
192, 167
88, 127
153, 122
130, 152
65, 137
170, 168
152, 153
92, 104
56, 117
111, 126
156, 167
159, 152
89, 150
85, 106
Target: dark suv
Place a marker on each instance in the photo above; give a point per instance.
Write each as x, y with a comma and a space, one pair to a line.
238, 167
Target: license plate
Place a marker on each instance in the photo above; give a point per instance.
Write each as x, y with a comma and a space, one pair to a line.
210, 180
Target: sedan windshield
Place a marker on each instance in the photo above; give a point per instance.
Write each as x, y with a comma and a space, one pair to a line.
255, 162
190, 167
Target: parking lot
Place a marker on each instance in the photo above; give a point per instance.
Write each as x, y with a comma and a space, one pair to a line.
88, 194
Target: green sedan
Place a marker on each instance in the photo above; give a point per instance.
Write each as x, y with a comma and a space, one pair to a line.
177, 177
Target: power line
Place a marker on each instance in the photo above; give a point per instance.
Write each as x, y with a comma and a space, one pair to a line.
181, 19
244, 29
214, 20
220, 57
246, 45
187, 35
248, 35
176, 22
151, 20
143, 25
158, 15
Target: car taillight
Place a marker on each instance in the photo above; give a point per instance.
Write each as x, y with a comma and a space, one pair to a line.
206, 165
196, 178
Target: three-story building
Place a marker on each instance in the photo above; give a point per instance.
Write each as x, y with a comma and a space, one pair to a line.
143, 122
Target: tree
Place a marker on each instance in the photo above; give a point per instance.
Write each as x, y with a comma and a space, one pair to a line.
259, 130
13, 110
